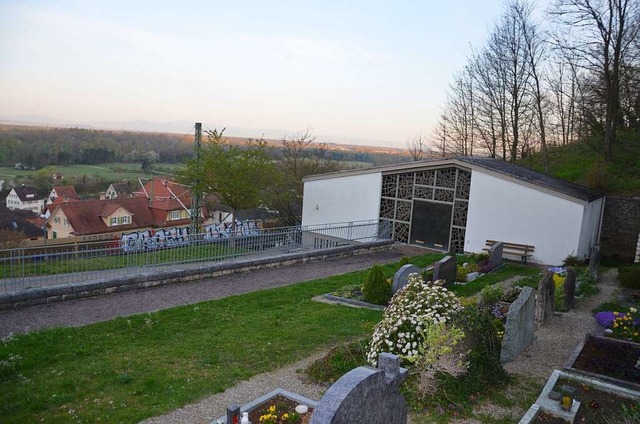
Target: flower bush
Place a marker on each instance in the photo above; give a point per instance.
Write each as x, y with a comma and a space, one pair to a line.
275, 415
623, 325
410, 310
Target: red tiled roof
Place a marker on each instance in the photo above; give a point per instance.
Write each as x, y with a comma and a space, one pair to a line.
68, 191
164, 194
84, 216
58, 200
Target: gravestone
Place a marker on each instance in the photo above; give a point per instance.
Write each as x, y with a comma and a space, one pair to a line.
401, 277
445, 269
569, 288
365, 395
594, 261
545, 300
519, 329
495, 255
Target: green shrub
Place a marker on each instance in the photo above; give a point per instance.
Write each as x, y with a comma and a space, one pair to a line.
572, 260
483, 343
629, 276
462, 271
427, 275
490, 295
376, 289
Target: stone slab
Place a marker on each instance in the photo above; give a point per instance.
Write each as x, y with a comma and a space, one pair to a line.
401, 277
445, 269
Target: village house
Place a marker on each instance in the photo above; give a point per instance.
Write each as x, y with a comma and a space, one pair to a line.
116, 190
458, 204
68, 192
26, 198
160, 204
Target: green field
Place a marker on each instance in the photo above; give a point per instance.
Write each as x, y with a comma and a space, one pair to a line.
106, 171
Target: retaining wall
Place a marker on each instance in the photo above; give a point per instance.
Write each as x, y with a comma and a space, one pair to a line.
620, 228
38, 296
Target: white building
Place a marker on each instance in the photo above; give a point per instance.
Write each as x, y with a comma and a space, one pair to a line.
460, 203
25, 198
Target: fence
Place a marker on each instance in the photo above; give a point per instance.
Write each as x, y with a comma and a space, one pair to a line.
27, 268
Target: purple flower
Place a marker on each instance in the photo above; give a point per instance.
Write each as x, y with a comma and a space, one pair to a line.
558, 270
605, 318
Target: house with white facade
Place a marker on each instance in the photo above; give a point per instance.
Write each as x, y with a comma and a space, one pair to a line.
26, 198
457, 204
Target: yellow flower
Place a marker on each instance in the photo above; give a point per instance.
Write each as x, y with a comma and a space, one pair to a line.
633, 310
272, 408
615, 324
285, 416
616, 313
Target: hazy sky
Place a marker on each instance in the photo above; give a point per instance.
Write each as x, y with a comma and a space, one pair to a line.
371, 70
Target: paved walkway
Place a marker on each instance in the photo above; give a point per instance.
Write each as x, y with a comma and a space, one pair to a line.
76, 313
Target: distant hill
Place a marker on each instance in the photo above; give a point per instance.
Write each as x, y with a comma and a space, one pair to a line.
38, 146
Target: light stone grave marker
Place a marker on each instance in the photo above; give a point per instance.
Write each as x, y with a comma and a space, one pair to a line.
401, 277
519, 330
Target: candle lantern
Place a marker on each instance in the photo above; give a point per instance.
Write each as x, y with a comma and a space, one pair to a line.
566, 401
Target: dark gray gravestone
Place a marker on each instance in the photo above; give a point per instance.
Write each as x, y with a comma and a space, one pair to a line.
545, 300
365, 395
569, 289
519, 329
495, 255
445, 269
401, 277
594, 261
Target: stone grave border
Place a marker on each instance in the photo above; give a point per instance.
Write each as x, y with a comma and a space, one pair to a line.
568, 365
277, 392
348, 302
545, 404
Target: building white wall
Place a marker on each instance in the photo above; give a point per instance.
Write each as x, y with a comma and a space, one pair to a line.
503, 210
343, 199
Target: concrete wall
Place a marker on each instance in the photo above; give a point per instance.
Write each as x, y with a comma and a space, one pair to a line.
620, 228
343, 199
504, 210
590, 227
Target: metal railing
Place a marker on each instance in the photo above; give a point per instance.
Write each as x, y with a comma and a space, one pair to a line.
26, 268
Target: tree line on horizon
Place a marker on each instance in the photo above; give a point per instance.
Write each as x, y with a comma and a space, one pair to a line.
571, 76
36, 147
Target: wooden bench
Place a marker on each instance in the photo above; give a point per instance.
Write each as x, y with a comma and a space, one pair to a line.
523, 250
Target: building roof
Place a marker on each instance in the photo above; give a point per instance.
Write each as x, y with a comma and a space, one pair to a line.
27, 194
17, 220
85, 218
533, 177
497, 167
68, 191
166, 195
122, 189
61, 199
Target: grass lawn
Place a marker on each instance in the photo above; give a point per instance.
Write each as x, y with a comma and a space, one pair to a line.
129, 369
132, 368
107, 171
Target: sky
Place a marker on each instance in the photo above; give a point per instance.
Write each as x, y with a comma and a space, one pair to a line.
363, 72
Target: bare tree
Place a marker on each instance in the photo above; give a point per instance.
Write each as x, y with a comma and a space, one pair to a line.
417, 146
603, 33
300, 157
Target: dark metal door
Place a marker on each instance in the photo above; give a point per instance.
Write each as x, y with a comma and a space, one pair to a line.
431, 225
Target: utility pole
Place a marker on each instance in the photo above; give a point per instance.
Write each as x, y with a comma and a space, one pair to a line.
196, 196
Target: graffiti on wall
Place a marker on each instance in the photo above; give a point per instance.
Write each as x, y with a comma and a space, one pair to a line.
224, 230
154, 239
172, 237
